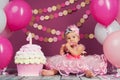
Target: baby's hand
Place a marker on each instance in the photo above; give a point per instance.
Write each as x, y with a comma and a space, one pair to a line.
68, 45
61, 53
84, 52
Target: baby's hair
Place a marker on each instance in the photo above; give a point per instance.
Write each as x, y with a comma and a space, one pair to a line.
72, 28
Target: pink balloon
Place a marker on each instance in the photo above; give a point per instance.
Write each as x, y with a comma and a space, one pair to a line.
111, 48
6, 33
18, 13
6, 52
104, 11
118, 14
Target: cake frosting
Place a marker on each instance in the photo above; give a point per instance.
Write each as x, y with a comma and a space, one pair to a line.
30, 54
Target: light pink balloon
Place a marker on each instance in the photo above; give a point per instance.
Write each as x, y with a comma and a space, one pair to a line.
19, 14
118, 14
104, 11
111, 48
6, 52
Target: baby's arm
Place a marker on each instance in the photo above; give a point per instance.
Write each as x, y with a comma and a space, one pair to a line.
77, 51
62, 49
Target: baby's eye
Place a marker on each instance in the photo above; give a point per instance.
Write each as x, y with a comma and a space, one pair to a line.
73, 36
68, 38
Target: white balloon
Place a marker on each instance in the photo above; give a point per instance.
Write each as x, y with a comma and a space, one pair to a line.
3, 3
2, 20
101, 32
114, 26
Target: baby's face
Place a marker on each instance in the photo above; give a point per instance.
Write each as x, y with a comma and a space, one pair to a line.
72, 38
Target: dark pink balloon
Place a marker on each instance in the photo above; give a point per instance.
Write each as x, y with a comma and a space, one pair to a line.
19, 14
104, 11
6, 52
118, 14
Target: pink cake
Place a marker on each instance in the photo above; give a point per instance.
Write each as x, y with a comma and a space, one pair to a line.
29, 60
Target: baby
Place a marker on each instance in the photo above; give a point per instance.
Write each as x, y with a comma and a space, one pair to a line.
72, 59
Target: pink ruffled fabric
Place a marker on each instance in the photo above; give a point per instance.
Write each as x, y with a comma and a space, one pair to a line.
67, 64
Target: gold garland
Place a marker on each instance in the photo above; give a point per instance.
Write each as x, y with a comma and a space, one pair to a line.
59, 34
59, 14
56, 38
54, 7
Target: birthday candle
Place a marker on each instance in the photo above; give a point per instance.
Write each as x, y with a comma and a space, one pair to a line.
29, 38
